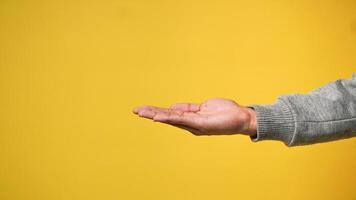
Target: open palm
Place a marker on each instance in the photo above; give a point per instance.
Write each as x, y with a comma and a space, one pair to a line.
214, 116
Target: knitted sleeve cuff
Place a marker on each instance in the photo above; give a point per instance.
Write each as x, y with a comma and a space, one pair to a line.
274, 122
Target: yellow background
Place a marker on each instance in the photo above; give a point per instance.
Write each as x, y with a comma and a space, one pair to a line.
71, 72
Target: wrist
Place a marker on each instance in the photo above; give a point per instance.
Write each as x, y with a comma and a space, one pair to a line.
251, 123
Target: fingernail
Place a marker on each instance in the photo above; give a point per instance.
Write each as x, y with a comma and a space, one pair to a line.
136, 110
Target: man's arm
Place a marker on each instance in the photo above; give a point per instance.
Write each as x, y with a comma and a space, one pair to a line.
326, 113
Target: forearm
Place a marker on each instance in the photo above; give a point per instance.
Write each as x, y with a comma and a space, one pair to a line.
325, 114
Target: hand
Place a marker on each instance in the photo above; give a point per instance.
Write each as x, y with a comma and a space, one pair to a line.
215, 116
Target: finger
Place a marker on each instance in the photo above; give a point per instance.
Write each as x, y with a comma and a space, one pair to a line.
171, 116
142, 109
147, 113
187, 121
187, 107
150, 111
137, 109
176, 117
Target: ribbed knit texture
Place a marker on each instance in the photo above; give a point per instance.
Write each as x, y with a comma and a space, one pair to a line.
325, 114
275, 122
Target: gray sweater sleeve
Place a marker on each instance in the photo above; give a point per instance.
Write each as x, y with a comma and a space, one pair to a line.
324, 114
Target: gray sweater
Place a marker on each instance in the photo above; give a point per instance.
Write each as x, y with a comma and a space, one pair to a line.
324, 114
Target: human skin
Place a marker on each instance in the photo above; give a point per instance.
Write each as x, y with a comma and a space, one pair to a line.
216, 116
